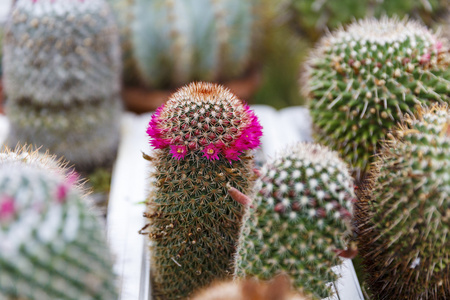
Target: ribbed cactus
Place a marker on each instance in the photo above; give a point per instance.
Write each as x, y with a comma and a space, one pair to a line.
361, 80
405, 215
62, 78
314, 17
301, 221
52, 245
276, 289
176, 41
203, 137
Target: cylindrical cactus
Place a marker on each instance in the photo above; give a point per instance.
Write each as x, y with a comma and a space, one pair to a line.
51, 244
361, 80
405, 215
302, 218
276, 289
62, 78
176, 41
203, 138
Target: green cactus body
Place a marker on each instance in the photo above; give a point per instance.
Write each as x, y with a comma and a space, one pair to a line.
123, 10
403, 232
361, 80
203, 136
314, 17
301, 220
62, 78
178, 41
52, 245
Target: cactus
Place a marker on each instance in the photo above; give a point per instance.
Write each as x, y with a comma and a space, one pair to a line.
52, 245
314, 17
177, 41
123, 10
302, 218
277, 289
404, 213
361, 80
62, 79
203, 137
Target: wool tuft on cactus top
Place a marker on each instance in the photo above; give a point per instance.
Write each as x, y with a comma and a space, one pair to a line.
404, 213
361, 80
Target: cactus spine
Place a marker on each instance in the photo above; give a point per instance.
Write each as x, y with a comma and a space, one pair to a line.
405, 215
302, 217
62, 78
178, 41
52, 245
202, 138
361, 80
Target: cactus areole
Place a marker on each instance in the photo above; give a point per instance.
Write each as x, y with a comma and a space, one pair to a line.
203, 170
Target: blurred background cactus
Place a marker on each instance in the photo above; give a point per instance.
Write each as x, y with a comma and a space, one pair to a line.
301, 221
360, 81
203, 137
52, 245
404, 216
62, 79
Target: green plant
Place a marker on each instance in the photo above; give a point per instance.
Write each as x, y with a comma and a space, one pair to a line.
203, 137
62, 79
361, 80
301, 220
176, 42
404, 212
52, 245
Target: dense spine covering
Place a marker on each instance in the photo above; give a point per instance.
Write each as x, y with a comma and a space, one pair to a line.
62, 78
404, 213
177, 41
203, 137
52, 245
361, 80
301, 221
277, 289
313, 18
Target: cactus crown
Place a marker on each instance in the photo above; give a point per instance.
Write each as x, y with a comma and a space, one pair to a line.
207, 119
404, 225
52, 246
302, 217
363, 79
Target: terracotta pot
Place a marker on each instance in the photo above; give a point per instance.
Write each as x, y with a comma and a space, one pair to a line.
141, 99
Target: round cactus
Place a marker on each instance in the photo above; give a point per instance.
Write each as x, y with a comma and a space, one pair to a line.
302, 217
405, 215
62, 78
52, 245
360, 81
203, 137
178, 41
277, 289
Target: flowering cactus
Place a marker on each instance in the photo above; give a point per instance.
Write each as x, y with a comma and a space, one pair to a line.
405, 216
360, 81
203, 137
52, 245
301, 220
62, 79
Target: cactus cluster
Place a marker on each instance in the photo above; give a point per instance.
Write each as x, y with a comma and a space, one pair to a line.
202, 166
360, 81
277, 289
312, 18
405, 216
301, 220
62, 78
178, 41
52, 245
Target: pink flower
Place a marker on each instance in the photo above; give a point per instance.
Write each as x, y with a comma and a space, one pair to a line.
231, 154
211, 152
178, 151
63, 189
425, 58
7, 207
